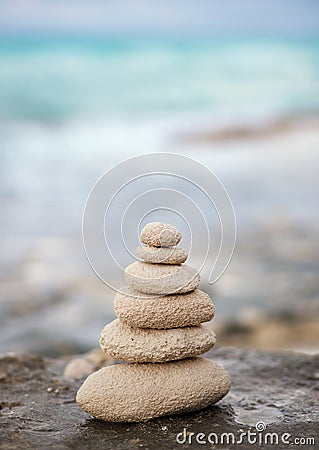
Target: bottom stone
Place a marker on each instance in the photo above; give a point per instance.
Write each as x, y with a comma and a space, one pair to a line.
139, 392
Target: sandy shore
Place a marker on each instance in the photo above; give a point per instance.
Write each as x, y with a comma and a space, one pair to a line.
251, 130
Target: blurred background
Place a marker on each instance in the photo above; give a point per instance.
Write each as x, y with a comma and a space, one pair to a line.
85, 85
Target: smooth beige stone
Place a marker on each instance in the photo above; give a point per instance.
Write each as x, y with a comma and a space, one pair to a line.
162, 255
139, 392
149, 345
159, 234
170, 311
161, 279
77, 368
98, 358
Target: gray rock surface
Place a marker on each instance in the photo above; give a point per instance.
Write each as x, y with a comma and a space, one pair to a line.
168, 311
161, 279
150, 345
280, 389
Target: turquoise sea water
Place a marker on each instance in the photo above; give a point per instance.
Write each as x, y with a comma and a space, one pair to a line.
52, 79
72, 107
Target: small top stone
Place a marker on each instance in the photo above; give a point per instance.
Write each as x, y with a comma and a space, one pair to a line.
159, 234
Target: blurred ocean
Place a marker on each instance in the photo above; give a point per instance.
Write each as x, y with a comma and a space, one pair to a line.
53, 80
72, 107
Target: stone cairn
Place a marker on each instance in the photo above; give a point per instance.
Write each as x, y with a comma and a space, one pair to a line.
159, 333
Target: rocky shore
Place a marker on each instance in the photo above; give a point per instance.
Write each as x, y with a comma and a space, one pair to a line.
38, 409
269, 294
267, 299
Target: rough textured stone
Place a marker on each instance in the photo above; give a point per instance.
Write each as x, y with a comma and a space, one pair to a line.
159, 234
159, 389
278, 388
162, 255
148, 345
161, 278
169, 311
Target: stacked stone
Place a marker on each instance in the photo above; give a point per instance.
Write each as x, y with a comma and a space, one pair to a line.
159, 333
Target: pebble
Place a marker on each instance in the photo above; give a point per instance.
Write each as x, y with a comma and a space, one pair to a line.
159, 234
162, 255
139, 392
77, 368
97, 358
169, 311
161, 279
149, 345
159, 333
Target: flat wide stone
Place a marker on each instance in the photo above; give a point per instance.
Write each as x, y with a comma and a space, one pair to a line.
161, 278
162, 255
138, 392
170, 311
148, 345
